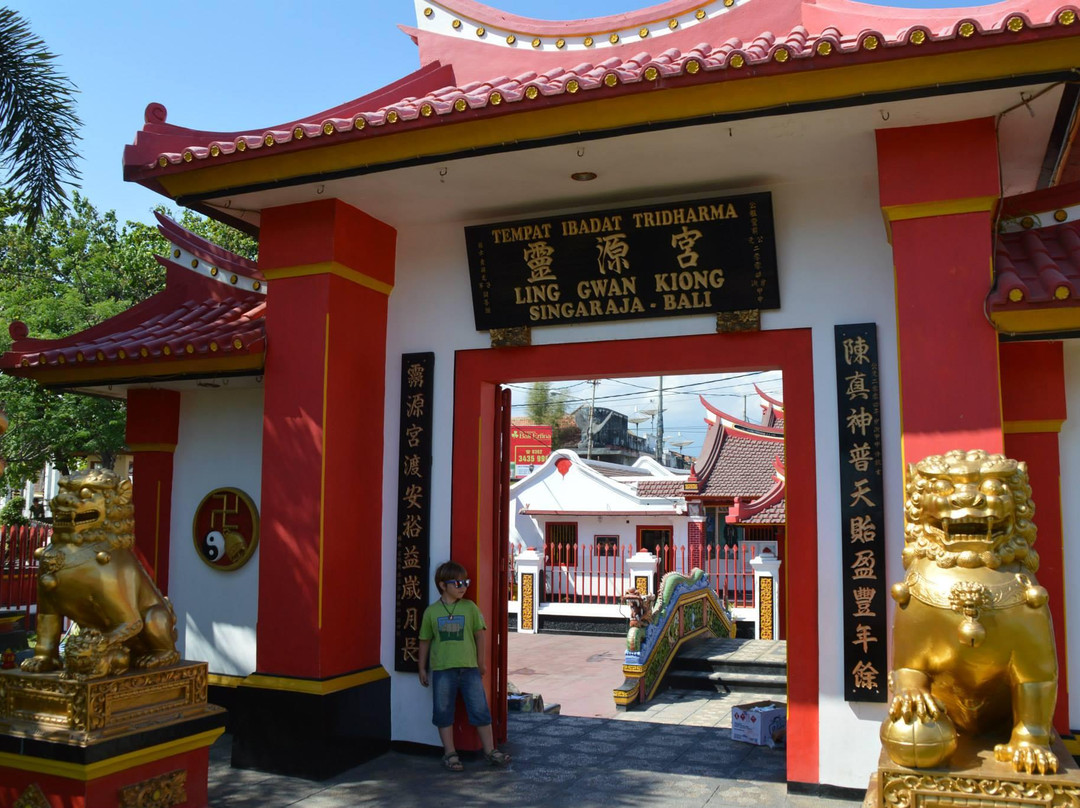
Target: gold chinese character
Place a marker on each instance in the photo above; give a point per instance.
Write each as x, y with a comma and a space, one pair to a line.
414, 405
410, 466
413, 434
859, 457
410, 559
865, 676
412, 495
415, 375
410, 621
857, 386
410, 588
856, 351
412, 526
864, 565
859, 419
864, 596
613, 250
862, 529
863, 637
538, 255
685, 242
862, 488
410, 651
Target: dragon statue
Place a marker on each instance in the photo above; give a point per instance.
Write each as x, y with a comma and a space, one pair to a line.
89, 573
646, 609
973, 645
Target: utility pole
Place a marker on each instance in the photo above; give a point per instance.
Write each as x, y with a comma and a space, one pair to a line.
592, 409
660, 425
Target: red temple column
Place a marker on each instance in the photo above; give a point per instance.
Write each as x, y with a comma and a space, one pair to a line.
153, 425
695, 540
938, 188
319, 700
1033, 405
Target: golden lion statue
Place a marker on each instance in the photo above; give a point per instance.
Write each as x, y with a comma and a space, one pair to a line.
89, 574
973, 642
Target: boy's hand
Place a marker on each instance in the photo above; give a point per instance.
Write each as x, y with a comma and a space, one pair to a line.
423, 677
481, 665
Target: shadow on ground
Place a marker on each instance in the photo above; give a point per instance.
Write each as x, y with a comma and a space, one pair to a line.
558, 761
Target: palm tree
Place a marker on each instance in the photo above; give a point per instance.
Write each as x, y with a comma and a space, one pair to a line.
38, 124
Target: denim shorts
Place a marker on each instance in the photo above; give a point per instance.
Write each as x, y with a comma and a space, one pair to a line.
446, 684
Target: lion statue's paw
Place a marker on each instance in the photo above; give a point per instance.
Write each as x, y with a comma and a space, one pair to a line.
41, 664
157, 659
916, 703
1028, 758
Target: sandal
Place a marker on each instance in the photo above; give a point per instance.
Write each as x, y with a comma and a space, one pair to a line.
497, 758
452, 763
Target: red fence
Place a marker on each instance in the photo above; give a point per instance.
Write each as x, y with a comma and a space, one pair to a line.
599, 574
18, 569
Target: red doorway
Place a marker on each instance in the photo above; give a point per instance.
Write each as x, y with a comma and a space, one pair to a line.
475, 512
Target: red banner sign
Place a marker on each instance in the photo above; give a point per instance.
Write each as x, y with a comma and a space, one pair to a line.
530, 446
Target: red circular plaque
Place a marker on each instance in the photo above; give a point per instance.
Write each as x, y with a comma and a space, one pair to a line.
226, 529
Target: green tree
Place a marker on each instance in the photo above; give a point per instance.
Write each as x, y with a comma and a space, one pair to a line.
75, 269
38, 124
548, 407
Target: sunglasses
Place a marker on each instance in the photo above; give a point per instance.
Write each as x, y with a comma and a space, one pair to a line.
460, 582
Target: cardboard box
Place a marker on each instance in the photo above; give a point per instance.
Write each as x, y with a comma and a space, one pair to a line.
760, 722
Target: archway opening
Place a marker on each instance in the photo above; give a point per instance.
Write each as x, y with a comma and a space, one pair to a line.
477, 510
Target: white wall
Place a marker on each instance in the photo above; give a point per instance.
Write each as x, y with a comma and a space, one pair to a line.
220, 445
835, 267
1069, 446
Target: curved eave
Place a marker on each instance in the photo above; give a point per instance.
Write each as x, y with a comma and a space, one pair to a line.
122, 372
1034, 319
702, 94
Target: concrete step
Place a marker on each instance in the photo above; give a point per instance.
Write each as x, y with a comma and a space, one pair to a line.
726, 681
723, 664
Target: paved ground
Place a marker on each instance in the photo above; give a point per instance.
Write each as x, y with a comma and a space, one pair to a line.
676, 752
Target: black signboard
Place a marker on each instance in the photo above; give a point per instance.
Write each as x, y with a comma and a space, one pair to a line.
862, 513
414, 505
672, 260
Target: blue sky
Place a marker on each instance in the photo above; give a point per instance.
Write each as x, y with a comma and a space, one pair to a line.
232, 65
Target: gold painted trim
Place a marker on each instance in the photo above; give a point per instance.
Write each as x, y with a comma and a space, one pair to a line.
103, 768
1048, 425
322, 463
608, 113
157, 530
152, 447
329, 268
1037, 321
73, 374
315, 687
947, 207
1072, 743
224, 680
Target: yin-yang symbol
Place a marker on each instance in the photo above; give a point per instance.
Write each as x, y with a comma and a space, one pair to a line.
213, 545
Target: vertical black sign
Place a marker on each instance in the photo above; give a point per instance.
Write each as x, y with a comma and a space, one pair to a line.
858, 399
414, 505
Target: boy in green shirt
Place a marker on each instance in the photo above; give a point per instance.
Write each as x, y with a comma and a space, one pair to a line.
452, 638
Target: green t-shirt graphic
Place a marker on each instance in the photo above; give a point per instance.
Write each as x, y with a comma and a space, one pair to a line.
450, 630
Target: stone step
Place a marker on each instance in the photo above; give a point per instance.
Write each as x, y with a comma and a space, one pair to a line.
725, 681
710, 664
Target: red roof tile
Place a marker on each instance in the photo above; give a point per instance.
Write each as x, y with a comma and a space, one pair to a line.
1037, 260
743, 466
660, 488
835, 34
207, 310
